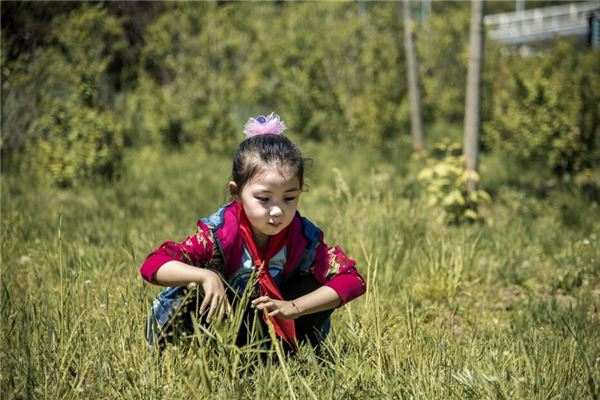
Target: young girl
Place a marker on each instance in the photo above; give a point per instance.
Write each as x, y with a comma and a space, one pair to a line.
300, 278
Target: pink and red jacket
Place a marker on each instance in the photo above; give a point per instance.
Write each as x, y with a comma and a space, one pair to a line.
218, 244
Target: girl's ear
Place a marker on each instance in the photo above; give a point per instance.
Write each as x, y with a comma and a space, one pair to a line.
233, 190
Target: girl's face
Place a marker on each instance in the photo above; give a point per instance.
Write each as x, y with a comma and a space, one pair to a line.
270, 200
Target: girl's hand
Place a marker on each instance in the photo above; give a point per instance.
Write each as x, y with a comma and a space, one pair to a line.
276, 308
215, 297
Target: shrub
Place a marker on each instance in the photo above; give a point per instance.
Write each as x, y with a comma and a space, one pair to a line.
330, 71
442, 44
444, 180
73, 144
547, 109
61, 89
186, 83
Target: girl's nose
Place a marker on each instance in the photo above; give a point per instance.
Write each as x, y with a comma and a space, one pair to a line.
276, 211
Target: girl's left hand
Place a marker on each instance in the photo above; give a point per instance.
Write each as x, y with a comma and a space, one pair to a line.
276, 308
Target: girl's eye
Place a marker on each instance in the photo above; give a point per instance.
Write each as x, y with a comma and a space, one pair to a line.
262, 199
290, 198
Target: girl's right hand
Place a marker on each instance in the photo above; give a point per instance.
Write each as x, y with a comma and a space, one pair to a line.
215, 297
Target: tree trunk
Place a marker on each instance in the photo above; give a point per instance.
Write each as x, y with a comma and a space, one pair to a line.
473, 95
413, 80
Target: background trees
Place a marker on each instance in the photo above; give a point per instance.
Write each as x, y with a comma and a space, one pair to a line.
546, 109
174, 74
473, 94
413, 78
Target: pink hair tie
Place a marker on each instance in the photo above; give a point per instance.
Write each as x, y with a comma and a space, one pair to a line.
262, 125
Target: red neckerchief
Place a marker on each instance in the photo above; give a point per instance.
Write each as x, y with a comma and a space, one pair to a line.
284, 328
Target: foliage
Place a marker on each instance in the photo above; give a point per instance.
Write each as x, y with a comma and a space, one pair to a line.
62, 92
172, 74
547, 109
333, 71
206, 68
185, 82
443, 44
74, 144
445, 181
351, 89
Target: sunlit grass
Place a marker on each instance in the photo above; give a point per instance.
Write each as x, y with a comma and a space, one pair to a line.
504, 309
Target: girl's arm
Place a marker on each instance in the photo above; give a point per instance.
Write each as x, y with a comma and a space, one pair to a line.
339, 277
176, 273
197, 250
321, 299
333, 269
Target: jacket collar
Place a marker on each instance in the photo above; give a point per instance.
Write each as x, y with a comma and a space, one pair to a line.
232, 243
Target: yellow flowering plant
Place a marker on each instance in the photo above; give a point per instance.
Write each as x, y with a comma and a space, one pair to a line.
444, 180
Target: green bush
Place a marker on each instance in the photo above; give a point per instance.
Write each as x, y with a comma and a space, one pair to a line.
63, 92
88, 39
330, 71
185, 81
442, 45
342, 75
444, 180
334, 71
547, 109
73, 144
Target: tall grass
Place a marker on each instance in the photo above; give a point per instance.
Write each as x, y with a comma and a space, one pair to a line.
504, 309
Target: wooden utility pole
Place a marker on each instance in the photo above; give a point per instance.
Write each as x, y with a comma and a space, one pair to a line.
413, 80
473, 95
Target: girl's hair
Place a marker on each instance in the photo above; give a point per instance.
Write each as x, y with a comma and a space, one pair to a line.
266, 150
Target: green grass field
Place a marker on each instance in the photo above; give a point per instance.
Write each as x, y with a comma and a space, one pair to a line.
508, 308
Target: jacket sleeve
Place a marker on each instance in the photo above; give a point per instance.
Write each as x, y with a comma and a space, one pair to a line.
197, 250
332, 268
